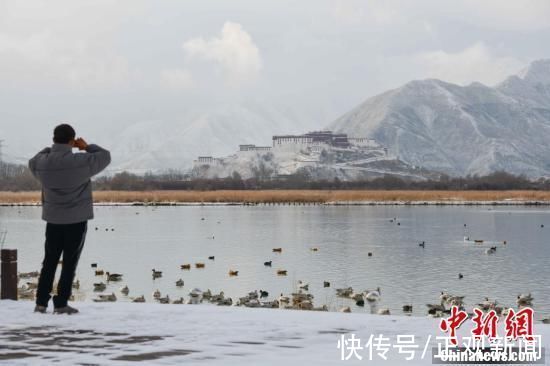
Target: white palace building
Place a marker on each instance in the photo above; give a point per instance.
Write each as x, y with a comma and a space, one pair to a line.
311, 142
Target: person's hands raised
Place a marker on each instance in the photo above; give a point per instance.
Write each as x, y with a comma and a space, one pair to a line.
80, 143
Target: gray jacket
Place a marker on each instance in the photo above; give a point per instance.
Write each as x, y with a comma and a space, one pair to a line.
66, 184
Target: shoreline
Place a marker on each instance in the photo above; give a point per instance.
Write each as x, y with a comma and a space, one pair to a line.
340, 203
298, 197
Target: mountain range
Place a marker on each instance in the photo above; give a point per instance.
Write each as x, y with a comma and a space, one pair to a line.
439, 126
461, 130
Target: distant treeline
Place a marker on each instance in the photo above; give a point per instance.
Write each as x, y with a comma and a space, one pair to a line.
14, 177
18, 178
174, 181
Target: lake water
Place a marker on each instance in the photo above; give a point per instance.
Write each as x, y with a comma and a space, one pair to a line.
242, 238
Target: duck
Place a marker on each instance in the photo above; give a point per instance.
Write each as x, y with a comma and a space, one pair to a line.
422, 244
100, 286
178, 301
487, 304
156, 274
113, 276
215, 297
185, 266
524, 300
277, 250
211, 257
233, 273
252, 303
125, 290
283, 299
281, 272
94, 265
360, 302
268, 263
207, 295
270, 304
314, 249
326, 284
545, 321
99, 272
30, 286
460, 276
456, 301
444, 296
139, 299
25, 294
344, 292
225, 302
435, 308
164, 300
199, 265
408, 308
384, 311
305, 305
106, 298
303, 285
179, 283
491, 250
263, 293
156, 294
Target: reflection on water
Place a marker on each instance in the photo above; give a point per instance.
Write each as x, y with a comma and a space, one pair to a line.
242, 238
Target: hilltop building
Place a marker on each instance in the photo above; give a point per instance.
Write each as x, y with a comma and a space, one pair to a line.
310, 143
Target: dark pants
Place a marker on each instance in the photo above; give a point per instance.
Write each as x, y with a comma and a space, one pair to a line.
69, 240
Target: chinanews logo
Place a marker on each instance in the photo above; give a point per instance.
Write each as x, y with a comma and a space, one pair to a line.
517, 345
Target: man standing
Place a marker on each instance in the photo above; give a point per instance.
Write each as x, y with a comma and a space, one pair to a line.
66, 208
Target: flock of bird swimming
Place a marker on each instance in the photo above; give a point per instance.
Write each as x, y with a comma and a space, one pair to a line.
299, 300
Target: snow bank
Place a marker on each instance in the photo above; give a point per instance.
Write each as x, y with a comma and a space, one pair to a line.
114, 333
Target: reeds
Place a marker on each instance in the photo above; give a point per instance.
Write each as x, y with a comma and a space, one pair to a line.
291, 196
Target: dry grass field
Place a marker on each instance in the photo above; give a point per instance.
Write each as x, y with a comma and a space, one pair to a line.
298, 196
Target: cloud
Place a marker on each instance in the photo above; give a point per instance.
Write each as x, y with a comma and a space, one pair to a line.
234, 52
177, 78
66, 45
475, 63
526, 15
43, 57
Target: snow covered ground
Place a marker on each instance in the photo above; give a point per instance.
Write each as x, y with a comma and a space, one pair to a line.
115, 333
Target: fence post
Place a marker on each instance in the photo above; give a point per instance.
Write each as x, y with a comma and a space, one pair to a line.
8, 271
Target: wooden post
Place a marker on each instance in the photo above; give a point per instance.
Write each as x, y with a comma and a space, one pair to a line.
8, 271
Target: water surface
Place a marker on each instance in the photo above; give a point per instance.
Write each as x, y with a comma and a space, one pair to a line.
242, 238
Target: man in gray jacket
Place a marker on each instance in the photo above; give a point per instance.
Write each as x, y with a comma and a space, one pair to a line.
66, 208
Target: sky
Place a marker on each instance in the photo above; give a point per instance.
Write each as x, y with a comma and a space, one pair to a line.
105, 65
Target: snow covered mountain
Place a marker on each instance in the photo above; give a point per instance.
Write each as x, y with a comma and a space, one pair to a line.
161, 145
459, 130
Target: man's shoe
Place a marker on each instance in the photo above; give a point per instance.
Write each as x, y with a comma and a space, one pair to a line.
40, 309
65, 310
